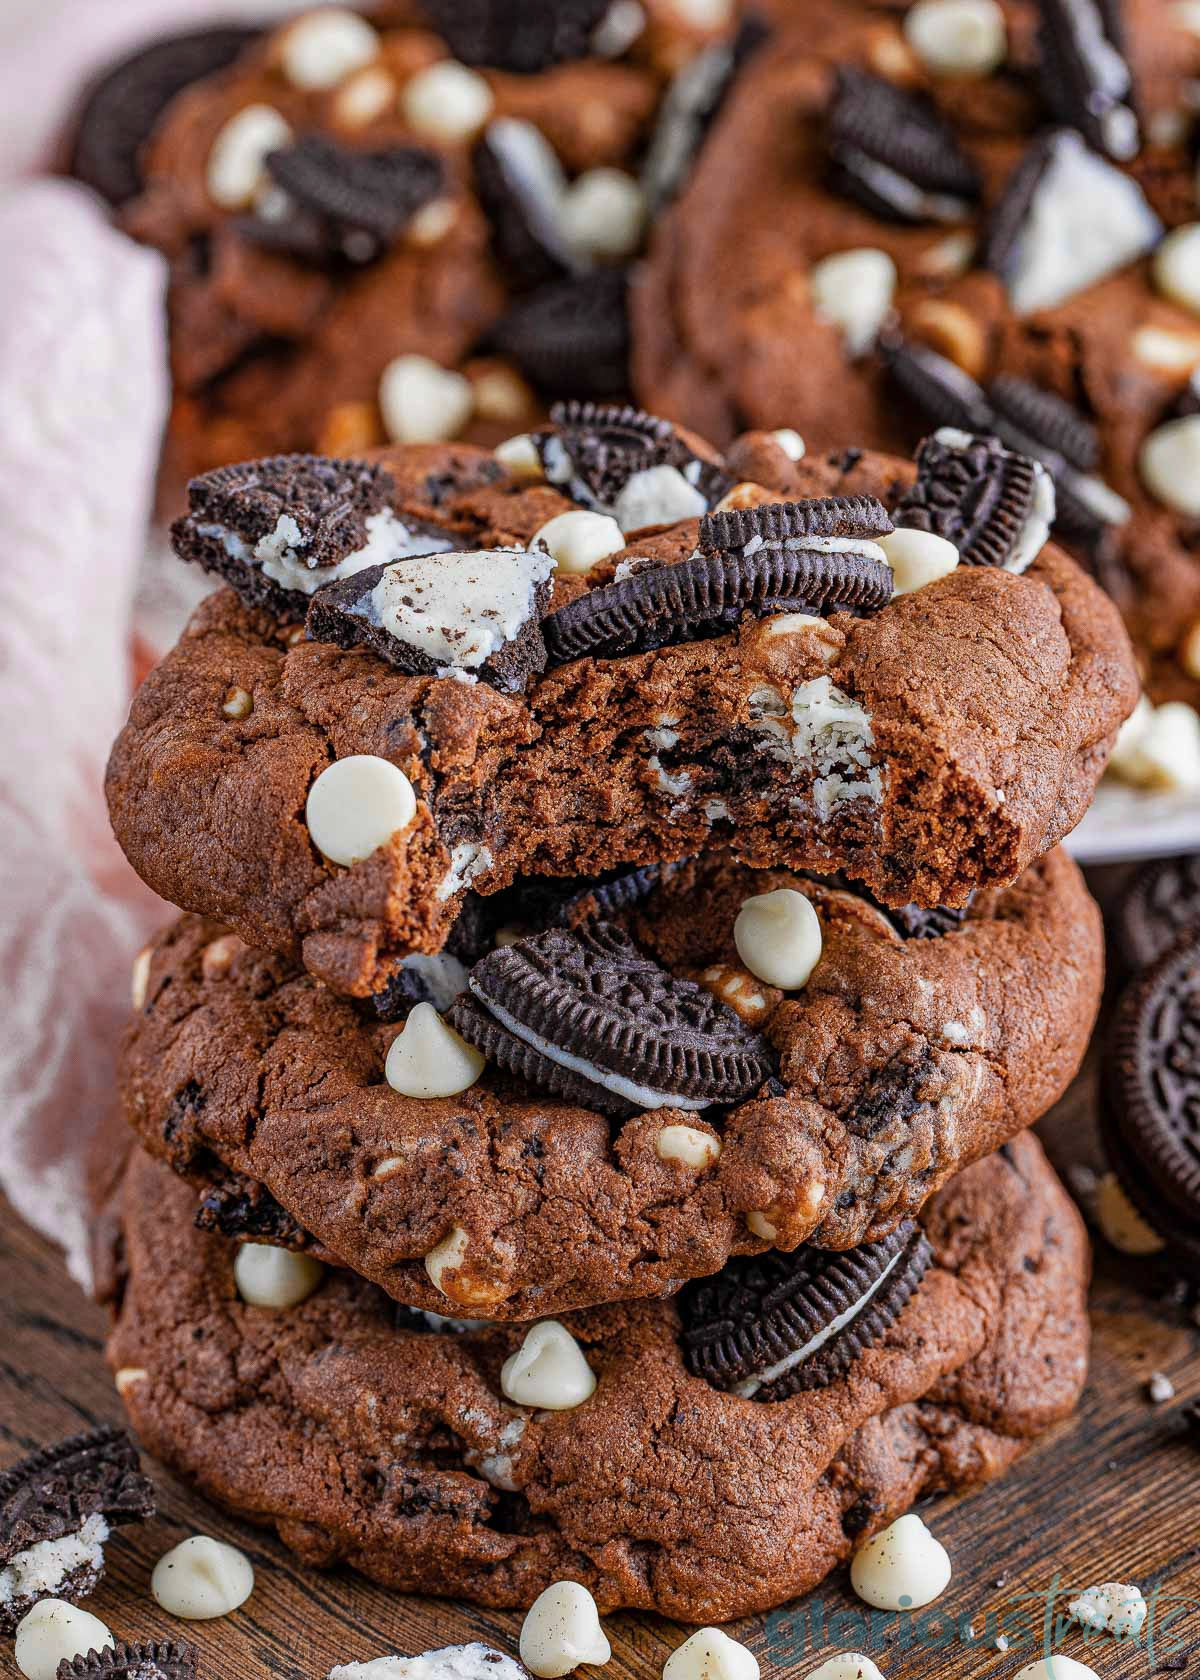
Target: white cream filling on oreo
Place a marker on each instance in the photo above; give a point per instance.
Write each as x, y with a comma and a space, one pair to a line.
1035, 532
280, 553
826, 731
535, 174
750, 1387
1085, 221
903, 195
452, 1662
442, 976
643, 1095
692, 93
458, 609
41, 1570
468, 860
819, 545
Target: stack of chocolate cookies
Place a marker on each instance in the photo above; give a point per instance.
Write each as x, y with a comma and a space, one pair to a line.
582, 1112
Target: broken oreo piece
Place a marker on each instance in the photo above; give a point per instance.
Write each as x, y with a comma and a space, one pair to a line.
65, 1500
995, 506
1045, 416
571, 337
520, 184
337, 204
237, 1206
891, 153
914, 921
520, 35
815, 557
589, 1002
597, 452
173, 1659
1085, 77
1067, 218
122, 108
1160, 905
279, 528
936, 385
772, 1325
474, 615
690, 106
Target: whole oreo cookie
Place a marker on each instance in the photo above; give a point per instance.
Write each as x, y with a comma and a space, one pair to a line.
122, 108
1160, 904
814, 556
78, 1489
520, 35
772, 1325
339, 204
595, 449
1153, 1085
172, 1659
593, 1005
891, 152
571, 337
995, 506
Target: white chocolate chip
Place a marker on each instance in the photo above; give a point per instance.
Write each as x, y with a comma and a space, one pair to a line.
1164, 750
854, 290
201, 1579
846, 1665
1057, 1667
219, 956
549, 1371
579, 540
561, 1631
1176, 266
430, 224
1121, 1222
1188, 651
128, 1377
1160, 1388
423, 402
711, 1654
657, 496
501, 394
1166, 350
267, 1276
778, 937
794, 624
948, 257
1185, 14
139, 980
917, 558
1112, 1607
957, 37
54, 1632
760, 1226
903, 1567
325, 45
448, 1256
447, 102
237, 703
790, 441
429, 1059
519, 456
363, 98
236, 163
1169, 463
1124, 761
356, 805
689, 1145
603, 214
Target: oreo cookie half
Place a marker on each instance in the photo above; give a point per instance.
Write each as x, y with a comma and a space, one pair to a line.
122, 108
472, 616
1154, 1075
521, 35
689, 108
598, 452
279, 528
571, 337
772, 1325
890, 152
336, 204
165, 1659
57, 1509
610, 1022
520, 183
1160, 905
994, 505
1085, 77
1067, 218
813, 556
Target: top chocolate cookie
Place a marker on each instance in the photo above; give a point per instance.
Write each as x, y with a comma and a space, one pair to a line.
609, 655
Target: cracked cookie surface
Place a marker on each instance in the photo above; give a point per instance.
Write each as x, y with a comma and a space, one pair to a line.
367, 1439
901, 1061
935, 746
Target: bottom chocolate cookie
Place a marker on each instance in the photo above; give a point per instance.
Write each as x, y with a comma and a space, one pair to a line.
368, 1434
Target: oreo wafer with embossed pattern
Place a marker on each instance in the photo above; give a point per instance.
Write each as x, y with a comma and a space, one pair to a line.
891, 152
994, 505
173, 1659
772, 1325
571, 336
340, 204
520, 35
595, 449
591, 1004
1160, 905
813, 556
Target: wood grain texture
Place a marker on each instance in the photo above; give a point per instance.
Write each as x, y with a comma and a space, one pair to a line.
1112, 1494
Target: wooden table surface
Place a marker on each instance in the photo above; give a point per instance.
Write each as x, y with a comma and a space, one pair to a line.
1113, 1494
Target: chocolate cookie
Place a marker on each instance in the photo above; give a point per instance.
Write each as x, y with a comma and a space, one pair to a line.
901, 1060
445, 1486
1159, 905
927, 746
57, 1510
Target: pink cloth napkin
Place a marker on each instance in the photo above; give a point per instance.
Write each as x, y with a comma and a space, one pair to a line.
83, 377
